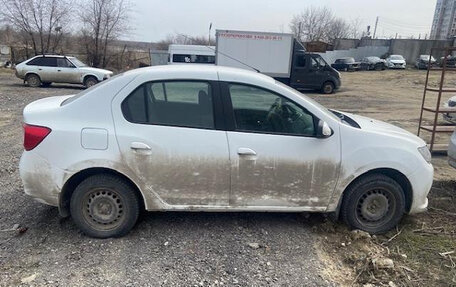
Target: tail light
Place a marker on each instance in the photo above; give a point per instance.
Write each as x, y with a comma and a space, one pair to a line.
33, 135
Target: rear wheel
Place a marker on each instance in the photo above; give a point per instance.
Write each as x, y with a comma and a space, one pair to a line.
33, 80
327, 88
375, 203
90, 81
104, 206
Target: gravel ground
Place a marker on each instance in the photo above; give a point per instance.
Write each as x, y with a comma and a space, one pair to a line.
166, 249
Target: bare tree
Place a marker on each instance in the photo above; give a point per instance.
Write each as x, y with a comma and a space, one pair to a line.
320, 24
337, 29
355, 28
183, 39
103, 21
312, 24
40, 22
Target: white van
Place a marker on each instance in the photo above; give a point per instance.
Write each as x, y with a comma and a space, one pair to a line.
191, 54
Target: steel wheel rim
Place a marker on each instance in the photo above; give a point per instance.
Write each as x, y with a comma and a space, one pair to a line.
91, 83
103, 209
328, 89
33, 81
375, 207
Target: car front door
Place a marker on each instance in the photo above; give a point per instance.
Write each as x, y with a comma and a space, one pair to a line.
276, 159
300, 72
66, 72
170, 136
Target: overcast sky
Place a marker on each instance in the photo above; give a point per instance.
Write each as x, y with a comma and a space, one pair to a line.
153, 20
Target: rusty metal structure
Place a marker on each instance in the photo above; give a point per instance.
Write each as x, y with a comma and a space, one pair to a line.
436, 93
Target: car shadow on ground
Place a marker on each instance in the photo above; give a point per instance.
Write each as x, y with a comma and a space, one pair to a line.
51, 87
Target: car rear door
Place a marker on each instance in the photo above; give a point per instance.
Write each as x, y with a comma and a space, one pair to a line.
171, 136
276, 159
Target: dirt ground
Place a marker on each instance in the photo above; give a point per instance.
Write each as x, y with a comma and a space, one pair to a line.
215, 249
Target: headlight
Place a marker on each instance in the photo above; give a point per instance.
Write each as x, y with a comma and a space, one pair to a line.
424, 151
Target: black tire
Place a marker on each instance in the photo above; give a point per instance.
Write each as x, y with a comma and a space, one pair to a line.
90, 81
375, 203
378, 67
46, 84
33, 80
104, 206
327, 88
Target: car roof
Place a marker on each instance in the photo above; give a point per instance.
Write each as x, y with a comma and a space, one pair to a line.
199, 71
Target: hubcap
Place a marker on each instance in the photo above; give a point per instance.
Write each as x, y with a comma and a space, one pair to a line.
33, 81
103, 209
328, 89
375, 207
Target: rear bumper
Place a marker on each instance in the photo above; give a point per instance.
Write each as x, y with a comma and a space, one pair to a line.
41, 181
421, 181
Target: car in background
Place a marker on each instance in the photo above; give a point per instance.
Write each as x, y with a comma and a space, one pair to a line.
44, 70
213, 138
373, 63
346, 64
423, 62
396, 62
450, 116
452, 150
450, 61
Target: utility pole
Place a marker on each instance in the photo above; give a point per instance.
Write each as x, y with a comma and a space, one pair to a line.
375, 29
210, 27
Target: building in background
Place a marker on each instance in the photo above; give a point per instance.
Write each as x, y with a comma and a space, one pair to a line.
444, 23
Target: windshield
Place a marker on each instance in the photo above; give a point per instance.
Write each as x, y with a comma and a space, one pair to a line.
396, 57
76, 62
310, 100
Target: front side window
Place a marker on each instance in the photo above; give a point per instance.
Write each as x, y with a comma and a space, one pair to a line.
64, 63
174, 103
258, 110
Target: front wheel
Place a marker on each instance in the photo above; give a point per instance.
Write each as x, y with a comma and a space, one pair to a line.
327, 88
104, 206
375, 203
90, 81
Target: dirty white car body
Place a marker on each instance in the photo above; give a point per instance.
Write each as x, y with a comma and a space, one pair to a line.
47, 69
216, 168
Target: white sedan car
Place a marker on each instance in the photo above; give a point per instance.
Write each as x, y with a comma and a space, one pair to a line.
193, 138
44, 70
396, 62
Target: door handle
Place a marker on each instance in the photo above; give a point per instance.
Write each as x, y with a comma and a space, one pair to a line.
40, 69
246, 151
59, 70
139, 146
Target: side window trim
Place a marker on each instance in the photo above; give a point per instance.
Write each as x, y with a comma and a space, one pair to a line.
217, 109
229, 111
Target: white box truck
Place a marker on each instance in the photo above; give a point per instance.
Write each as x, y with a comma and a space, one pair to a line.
278, 55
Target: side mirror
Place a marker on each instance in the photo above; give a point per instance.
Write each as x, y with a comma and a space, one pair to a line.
323, 130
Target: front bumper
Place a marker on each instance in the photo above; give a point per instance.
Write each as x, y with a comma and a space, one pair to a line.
421, 181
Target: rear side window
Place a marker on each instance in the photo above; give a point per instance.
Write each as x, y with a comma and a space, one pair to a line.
175, 103
43, 61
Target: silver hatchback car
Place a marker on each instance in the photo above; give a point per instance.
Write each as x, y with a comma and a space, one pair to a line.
46, 69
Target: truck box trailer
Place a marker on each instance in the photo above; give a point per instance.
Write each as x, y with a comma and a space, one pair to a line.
278, 55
